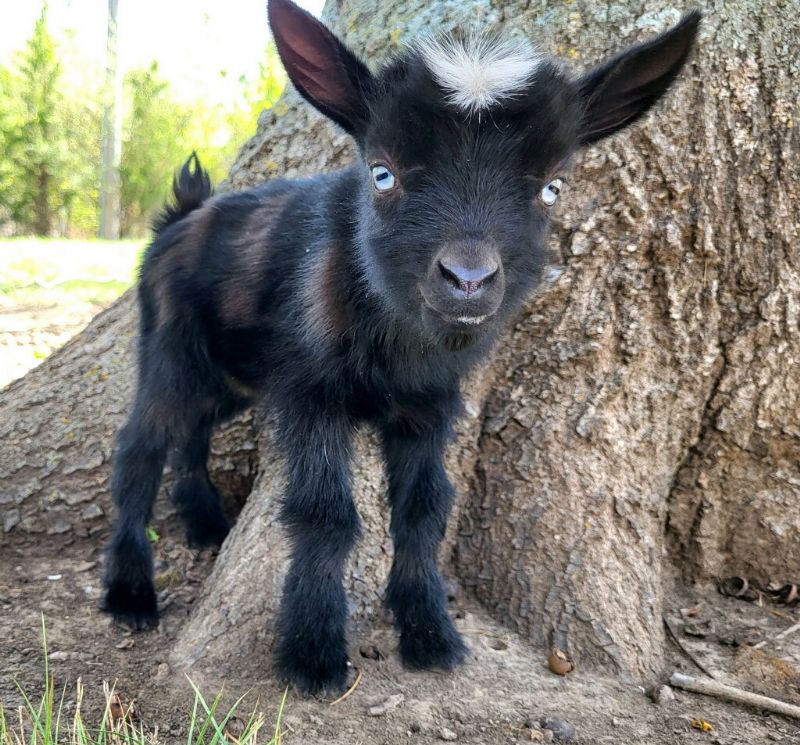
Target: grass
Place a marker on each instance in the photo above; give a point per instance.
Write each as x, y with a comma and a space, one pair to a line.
37, 271
47, 722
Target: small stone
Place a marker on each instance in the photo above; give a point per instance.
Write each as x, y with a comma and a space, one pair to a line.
661, 694
62, 656
447, 734
127, 643
162, 671
562, 730
388, 705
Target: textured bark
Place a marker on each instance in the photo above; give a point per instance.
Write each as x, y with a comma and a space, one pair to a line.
640, 420
57, 428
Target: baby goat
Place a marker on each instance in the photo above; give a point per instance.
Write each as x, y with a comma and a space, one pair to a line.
363, 295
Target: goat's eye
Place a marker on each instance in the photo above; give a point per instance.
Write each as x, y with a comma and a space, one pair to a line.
382, 178
550, 192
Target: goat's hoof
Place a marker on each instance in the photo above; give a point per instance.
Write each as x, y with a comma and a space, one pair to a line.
207, 534
312, 675
438, 645
134, 607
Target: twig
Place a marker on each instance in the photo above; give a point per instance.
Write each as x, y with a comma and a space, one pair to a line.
729, 693
783, 633
685, 649
350, 689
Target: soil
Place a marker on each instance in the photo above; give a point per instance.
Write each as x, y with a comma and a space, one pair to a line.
497, 697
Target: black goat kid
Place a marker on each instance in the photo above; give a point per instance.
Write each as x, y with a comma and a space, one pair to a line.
358, 296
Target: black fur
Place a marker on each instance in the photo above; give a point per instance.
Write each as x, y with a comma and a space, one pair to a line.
190, 187
338, 304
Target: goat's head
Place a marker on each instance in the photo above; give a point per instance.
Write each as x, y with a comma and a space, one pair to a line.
463, 141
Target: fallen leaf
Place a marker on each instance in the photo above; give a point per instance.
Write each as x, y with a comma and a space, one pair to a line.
119, 710
702, 725
560, 662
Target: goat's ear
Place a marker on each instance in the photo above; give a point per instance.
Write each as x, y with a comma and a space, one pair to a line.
324, 71
620, 91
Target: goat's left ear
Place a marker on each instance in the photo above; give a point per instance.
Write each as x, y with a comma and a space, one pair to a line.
324, 71
620, 91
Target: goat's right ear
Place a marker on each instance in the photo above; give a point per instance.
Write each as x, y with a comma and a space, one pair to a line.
324, 71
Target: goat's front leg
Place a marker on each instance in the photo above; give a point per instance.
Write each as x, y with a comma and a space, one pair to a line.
323, 525
420, 494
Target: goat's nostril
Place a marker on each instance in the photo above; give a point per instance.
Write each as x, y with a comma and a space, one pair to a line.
467, 279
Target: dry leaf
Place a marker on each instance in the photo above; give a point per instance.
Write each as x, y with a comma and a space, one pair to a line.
560, 662
702, 725
118, 709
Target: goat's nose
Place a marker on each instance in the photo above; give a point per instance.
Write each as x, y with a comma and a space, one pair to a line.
468, 280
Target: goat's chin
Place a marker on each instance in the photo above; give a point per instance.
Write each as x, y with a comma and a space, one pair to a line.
454, 336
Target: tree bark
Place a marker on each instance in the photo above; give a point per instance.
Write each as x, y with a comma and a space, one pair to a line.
639, 423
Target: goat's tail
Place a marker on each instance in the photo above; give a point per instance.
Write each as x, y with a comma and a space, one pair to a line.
191, 187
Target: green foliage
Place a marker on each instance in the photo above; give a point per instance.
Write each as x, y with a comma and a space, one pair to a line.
154, 138
161, 132
50, 140
46, 143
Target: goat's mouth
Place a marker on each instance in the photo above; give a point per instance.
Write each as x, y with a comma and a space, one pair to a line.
458, 322
457, 325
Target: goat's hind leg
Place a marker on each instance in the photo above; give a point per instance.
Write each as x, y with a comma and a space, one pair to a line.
194, 495
130, 596
172, 400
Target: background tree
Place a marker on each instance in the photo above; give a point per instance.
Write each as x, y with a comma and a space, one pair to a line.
50, 138
154, 137
640, 424
33, 141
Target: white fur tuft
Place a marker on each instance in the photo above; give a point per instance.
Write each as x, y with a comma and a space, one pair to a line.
479, 70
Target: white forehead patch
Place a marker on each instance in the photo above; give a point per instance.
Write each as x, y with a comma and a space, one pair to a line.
479, 70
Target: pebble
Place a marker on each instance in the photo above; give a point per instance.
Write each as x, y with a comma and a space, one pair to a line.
661, 694
388, 705
447, 734
62, 656
562, 730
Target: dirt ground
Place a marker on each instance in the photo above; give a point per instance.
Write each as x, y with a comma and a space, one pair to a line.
497, 697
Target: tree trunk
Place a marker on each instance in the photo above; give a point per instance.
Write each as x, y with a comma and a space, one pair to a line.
639, 423
43, 217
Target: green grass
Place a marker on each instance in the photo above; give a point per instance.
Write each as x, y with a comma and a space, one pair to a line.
36, 271
46, 722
